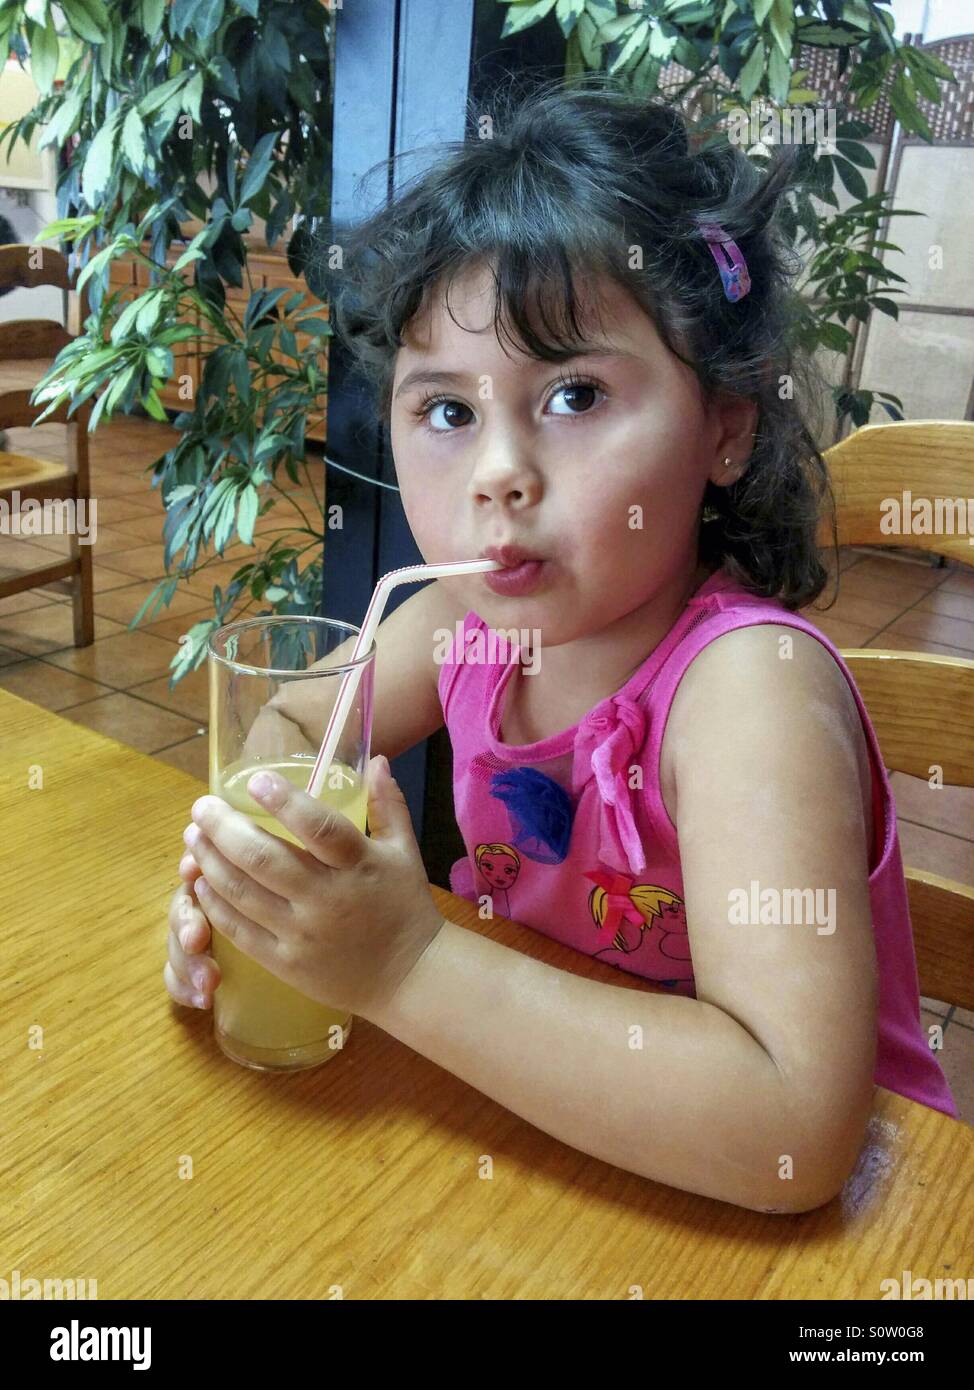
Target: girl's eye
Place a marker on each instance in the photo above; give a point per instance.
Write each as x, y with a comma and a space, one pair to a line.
579, 393
449, 408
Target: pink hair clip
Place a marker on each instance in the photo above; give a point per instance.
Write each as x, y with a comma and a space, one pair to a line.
730, 260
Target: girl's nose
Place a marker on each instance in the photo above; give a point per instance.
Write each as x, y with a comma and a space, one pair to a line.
506, 480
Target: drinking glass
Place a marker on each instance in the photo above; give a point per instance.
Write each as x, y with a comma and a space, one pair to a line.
259, 1020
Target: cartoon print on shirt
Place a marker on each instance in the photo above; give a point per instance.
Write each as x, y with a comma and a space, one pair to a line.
627, 912
500, 865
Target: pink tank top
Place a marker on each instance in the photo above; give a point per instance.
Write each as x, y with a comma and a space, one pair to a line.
567, 839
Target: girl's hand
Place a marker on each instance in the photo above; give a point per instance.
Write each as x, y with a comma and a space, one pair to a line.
191, 974
344, 920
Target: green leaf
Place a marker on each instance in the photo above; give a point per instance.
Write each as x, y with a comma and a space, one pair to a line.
919, 57
590, 47
258, 166
856, 153
159, 597
752, 71
247, 514
44, 52
321, 328
762, 9
161, 94
150, 15
783, 27
614, 30
520, 17
193, 95
887, 306
779, 76
88, 18
568, 13
133, 140
100, 161
154, 406
226, 517
631, 46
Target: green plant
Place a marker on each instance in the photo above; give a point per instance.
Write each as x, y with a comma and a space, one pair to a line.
161, 99
741, 51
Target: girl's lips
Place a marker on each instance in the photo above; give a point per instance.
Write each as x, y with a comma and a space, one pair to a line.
517, 579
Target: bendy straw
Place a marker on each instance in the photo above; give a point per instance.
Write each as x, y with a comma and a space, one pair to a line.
412, 574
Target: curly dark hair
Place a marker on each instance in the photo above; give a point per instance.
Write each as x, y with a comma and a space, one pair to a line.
574, 179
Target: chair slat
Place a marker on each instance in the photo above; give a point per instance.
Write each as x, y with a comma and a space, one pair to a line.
880, 463
942, 917
27, 338
922, 708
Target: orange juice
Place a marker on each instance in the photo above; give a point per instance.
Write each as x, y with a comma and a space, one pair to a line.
259, 1020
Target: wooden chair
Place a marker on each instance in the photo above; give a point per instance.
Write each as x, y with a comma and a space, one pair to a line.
37, 479
921, 704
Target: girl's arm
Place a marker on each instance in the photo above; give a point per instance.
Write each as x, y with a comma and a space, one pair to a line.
757, 1092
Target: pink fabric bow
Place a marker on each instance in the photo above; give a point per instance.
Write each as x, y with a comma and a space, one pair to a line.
609, 740
618, 904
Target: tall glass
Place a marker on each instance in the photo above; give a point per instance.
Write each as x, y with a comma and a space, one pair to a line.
258, 1020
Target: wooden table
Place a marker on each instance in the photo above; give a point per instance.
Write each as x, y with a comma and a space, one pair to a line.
363, 1174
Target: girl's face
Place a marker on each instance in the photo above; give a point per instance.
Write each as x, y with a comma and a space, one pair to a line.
596, 465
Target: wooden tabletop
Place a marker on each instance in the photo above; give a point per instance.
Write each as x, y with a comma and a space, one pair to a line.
136, 1154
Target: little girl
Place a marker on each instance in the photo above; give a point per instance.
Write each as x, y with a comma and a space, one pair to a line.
578, 334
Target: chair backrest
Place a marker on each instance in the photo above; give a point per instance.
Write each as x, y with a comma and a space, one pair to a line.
905, 483
922, 708
26, 267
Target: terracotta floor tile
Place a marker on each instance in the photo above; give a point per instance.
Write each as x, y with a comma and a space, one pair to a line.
107, 539
938, 853
135, 722
203, 582
120, 661
49, 686
957, 1060
123, 604
190, 697
939, 808
46, 630
948, 604
856, 610
141, 561
899, 642
963, 1017
19, 556
191, 756
937, 1007
8, 657
842, 634
919, 572
934, 627
114, 511
105, 484
897, 590
173, 628
147, 527
103, 578
24, 601
960, 582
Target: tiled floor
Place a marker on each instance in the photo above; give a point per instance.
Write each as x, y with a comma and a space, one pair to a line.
119, 685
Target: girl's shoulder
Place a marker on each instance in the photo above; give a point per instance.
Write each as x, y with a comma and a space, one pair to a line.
770, 677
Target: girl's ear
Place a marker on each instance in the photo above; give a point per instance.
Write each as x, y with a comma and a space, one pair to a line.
738, 420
